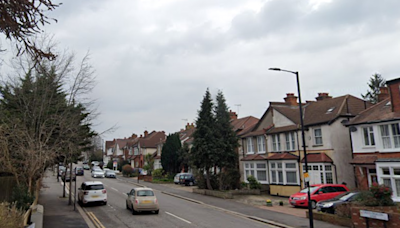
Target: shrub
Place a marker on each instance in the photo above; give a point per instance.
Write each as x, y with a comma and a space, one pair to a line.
127, 170
22, 198
253, 183
110, 165
244, 185
377, 195
158, 173
11, 216
343, 210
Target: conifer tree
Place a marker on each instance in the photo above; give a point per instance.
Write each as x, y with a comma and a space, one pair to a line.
169, 153
375, 82
204, 142
227, 141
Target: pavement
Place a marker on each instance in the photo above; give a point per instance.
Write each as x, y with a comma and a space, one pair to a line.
57, 212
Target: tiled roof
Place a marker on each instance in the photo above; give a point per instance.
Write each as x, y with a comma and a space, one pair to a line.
243, 125
378, 113
151, 140
109, 144
255, 133
364, 159
283, 156
318, 158
283, 129
253, 157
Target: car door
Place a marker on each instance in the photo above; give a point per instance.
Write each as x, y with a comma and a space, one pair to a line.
131, 197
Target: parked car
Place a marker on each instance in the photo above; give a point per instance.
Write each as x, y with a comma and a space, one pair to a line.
176, 178
329, 206
79, 171
66, 176
98, 173
318, 193
92, 191
142, 199
187, 179
95, 163
110, 174
61, 170
86, 167
95, 167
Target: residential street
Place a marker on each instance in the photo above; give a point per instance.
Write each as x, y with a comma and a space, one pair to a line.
178, 208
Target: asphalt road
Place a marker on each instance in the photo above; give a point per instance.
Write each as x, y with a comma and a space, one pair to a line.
174, 212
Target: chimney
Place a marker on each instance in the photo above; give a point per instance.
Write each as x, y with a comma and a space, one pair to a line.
141, 136
290, 99
189, 126
146, 133
394, 92
383, 93
134, 136
233, 115
322, 96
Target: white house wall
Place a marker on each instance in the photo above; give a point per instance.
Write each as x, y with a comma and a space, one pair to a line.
280, 120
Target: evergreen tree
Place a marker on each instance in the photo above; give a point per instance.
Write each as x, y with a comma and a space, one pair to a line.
169, 153
204, 142
227, 141
375, 82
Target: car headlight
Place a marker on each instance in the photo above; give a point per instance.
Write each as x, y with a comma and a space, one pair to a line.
303, 198
327, 205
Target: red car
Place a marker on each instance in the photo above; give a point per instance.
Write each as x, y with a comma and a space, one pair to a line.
318, 192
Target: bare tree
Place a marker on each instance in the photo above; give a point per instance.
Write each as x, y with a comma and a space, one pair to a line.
22, 19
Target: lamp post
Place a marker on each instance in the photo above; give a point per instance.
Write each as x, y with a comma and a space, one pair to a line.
310, 213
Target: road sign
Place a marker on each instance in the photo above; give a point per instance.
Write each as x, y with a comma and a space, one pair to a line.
306, 177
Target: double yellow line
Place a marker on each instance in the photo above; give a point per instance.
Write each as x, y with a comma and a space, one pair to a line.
94, 219
91, 216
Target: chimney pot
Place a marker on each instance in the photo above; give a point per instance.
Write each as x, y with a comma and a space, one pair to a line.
322, 96
290, 99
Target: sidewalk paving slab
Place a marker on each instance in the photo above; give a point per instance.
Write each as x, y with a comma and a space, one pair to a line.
57, 212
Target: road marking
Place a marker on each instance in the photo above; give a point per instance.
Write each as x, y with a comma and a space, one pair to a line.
114, 189
178, 217
96, 222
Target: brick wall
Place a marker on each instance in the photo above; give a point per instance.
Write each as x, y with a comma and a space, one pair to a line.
360, 222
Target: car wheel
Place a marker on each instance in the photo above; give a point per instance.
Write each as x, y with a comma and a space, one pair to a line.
313, 204
133, 210
156, 212
191, 183
127, 207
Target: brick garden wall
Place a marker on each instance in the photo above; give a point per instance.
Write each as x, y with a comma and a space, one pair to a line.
360, 222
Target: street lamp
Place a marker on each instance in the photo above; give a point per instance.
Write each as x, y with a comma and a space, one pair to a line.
310, 213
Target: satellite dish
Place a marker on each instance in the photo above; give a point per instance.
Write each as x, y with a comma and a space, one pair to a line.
353, 129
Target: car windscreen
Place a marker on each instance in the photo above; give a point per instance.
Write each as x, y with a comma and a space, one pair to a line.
312, 189
347, 196
110, 172
94, 187
145, 193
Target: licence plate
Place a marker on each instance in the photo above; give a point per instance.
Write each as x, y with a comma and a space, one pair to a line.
95, 196
146, 201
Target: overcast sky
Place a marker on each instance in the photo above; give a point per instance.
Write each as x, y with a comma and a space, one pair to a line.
154, 59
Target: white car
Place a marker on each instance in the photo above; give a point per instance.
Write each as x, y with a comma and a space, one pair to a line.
98, 173
92, 191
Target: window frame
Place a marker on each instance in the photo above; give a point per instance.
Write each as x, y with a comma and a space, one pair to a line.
290, 140
392, 177
253, 170
321, 169
278, 167
261, 149
276, 143
316, 137
368, 134
250, 145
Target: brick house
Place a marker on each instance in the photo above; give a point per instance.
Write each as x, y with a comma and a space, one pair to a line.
375, 135
273, 149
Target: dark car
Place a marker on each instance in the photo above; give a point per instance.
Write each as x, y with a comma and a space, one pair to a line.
187, 179
79, 171
66, 176
329, 206
86, 166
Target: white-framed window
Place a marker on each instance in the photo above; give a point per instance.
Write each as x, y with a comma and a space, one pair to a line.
284, 172
317, 136
389, 175
289, 136
276, 142
136, 151
130, 151
390, 135
320, 173
261, 144
258, 170
369, 139
250, 146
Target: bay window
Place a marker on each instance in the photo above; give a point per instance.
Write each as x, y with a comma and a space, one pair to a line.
284, 172
256, 169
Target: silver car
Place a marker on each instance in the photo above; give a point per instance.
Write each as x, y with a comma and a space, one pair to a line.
91, 192
110, 174
98, 173
142, 199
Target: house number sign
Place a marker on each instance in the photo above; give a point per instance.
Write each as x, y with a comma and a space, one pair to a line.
374, 215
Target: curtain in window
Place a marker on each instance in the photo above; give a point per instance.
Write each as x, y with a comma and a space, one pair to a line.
385, 136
